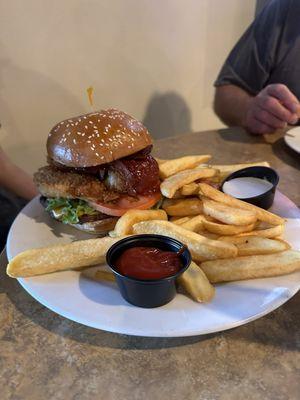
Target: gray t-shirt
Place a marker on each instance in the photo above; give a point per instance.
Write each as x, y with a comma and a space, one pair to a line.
268, 52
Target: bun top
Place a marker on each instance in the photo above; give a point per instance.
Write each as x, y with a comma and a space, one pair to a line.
96, 138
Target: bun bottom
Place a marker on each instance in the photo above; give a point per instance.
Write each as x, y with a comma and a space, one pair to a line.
99, 228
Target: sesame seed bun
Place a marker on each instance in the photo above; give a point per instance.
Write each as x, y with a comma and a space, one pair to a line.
96, 138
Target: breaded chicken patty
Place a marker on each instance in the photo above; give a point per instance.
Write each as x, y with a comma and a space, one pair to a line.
51, 182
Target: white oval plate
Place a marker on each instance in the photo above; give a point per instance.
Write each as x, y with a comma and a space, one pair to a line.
100, 305
292, 138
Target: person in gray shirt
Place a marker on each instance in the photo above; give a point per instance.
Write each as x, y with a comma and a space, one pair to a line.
258, 86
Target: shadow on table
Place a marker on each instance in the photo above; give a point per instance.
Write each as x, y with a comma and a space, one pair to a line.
279, 328
239, 135
276, 142
286, 154
45, 318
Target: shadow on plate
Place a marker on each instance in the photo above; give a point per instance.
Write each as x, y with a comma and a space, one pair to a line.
284, 207
234, 309
98, 293
35, 211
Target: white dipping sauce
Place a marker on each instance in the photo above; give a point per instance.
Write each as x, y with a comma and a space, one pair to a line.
245, 187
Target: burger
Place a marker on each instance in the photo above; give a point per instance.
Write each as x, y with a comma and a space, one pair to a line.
99, 167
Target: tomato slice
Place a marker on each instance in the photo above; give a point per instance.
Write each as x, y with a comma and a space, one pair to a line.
126, 203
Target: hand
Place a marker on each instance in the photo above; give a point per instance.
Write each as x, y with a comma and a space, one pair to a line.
273, 108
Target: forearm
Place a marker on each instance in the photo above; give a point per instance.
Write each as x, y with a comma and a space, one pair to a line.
231, 104
15, 179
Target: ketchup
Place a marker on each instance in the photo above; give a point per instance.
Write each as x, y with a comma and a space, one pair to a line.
148, 263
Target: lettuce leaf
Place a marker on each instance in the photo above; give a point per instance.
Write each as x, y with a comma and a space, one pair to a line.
69, 210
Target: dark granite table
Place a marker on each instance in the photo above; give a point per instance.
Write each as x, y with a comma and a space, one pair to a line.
44, 356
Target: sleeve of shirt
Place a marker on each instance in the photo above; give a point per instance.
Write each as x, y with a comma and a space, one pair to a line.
251, 60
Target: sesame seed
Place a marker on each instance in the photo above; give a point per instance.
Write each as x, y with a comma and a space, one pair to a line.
74, 141
84, 117
90, 122
88, 141
97, 154
86, 127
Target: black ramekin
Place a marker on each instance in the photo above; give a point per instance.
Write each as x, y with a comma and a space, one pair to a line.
147, 293
264, 200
